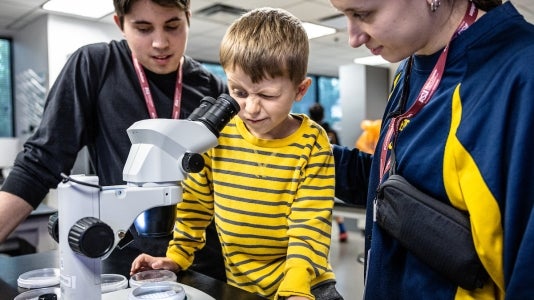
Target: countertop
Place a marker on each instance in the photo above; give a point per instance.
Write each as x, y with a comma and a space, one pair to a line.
117, 263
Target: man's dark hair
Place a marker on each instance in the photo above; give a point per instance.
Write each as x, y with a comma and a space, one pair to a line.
122, 7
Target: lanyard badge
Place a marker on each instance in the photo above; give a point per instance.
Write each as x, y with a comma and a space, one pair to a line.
426, 93
148, 95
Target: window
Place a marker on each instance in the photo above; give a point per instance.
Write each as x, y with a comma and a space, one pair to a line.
324, 90
6, 97
328, 92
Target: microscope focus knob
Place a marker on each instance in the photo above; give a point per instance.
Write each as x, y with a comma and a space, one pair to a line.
91, 237
53, 227
192, 162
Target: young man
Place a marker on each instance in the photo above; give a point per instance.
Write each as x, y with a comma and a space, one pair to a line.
98, 95
269, 184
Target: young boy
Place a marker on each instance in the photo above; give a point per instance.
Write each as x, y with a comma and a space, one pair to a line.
269, 184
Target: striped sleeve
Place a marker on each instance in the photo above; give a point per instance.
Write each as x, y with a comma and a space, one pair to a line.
193, 215
310, 221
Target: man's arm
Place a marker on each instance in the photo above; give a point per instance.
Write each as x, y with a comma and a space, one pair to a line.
54, 146
13, 210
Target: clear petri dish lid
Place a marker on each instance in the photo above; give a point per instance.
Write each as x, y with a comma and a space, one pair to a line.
49, 293
165, 290
113, 282
39, 278
151, 276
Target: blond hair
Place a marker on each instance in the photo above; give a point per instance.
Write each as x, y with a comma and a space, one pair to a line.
266, 42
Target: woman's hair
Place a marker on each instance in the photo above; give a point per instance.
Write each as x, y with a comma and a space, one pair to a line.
122, 7
487, 5
266, 42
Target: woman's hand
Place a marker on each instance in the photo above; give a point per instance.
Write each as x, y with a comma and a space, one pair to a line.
146, 262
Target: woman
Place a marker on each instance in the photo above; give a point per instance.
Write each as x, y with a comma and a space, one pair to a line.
467, 142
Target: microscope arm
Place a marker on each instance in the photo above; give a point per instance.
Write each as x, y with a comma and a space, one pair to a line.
163, 150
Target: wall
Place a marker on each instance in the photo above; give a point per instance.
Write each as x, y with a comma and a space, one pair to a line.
363, 91
65, 35
4, 32
43, 47
30, 52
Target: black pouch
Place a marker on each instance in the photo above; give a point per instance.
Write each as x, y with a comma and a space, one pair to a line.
436, 233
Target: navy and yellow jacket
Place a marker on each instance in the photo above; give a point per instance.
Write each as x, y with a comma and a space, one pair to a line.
471, 146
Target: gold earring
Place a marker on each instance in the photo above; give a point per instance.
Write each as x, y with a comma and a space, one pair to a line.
434, 5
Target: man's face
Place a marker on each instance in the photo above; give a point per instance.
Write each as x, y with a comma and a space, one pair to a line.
157, 35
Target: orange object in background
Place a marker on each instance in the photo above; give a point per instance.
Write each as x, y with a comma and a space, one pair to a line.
369, 137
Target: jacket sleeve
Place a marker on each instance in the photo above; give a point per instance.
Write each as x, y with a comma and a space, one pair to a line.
352, 174
518, 203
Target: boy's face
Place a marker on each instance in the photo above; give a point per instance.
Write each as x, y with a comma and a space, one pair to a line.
265, 105
157, 35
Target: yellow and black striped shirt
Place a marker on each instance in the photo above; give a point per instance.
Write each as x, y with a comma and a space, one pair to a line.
272, 202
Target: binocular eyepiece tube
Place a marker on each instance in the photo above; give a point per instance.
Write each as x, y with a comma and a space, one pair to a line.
215, 113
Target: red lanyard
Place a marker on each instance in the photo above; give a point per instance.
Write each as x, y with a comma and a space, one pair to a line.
148, 95
427, 91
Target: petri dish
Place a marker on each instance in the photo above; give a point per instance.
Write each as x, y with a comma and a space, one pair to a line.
113, 282
143, 277
39, 278
165, 290
49, 293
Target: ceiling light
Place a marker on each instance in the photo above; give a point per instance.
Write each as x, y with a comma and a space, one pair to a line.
95, 9
315, 31
373, 60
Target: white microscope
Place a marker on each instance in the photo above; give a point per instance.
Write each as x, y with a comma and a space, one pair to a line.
93, 219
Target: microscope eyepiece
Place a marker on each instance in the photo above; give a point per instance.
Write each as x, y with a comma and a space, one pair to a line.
218, 114
205, 104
